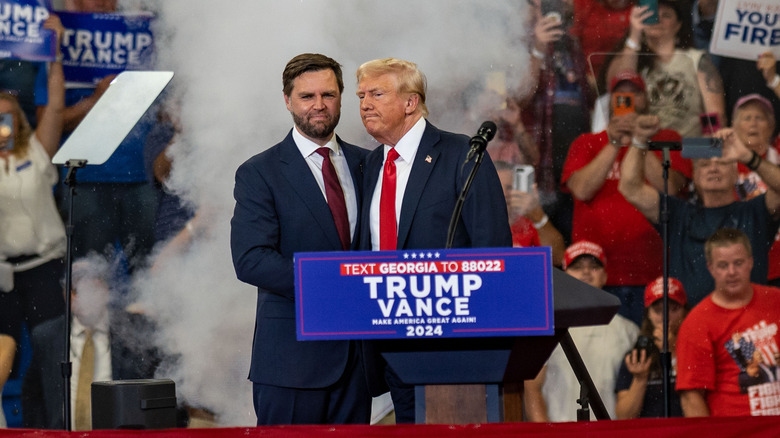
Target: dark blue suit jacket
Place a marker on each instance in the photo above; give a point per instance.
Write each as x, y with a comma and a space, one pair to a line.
279, 211
434, 186
435, 182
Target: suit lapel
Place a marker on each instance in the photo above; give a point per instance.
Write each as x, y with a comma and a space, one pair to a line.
355, 169
424, 161
355, 165
296, 171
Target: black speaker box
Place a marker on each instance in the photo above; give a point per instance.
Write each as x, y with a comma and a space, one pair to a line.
134, 404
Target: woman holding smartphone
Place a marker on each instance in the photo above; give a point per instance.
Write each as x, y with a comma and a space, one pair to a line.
682, 83
32, 236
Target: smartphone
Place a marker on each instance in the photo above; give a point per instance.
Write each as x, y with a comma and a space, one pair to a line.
647, 344
558, 9
552, 7
622, 103
524, 178
7, 130
702, 147
652, 6
710, 123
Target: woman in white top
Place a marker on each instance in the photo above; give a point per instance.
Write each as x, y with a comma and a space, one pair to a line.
682, 83
32, 236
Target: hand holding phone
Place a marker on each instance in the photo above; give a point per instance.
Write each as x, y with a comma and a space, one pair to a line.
652, 5
702, 147
6, 131
622, 103
555, 8
523, 178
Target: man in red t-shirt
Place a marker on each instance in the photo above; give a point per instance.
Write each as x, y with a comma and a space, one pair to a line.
601, 214
727, 347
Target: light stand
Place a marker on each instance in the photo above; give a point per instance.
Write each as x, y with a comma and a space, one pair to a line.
96, 138
66, 366
666, 355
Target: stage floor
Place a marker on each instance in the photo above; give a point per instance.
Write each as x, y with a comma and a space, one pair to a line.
643, 428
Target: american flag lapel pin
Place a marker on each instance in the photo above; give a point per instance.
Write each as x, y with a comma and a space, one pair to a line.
428, 159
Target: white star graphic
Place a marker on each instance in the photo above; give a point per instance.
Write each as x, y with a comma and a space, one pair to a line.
406, 255
414, 255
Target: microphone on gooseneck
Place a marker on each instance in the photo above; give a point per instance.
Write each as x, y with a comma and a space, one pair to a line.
480, 141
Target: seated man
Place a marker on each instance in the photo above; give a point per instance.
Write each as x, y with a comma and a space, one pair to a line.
104, 346
602, 347
727, 347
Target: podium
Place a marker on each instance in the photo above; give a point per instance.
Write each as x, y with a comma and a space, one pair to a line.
477, 380
464, 326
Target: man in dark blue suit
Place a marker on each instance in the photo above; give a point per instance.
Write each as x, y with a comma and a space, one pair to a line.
285, 204
426, 175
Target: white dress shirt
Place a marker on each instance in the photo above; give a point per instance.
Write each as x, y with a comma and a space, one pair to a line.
407, 150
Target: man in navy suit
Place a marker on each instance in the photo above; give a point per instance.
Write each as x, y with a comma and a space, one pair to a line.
284, 205
428, 174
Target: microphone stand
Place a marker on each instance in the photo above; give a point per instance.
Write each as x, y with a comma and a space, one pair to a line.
666, 356
456, 212
478, 145
66, 366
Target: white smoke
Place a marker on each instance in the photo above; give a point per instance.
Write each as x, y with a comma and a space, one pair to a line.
228, 59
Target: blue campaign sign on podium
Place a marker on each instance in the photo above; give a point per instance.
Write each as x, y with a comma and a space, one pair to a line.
424, 294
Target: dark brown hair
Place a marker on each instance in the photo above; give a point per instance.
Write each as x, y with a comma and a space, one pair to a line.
307, 62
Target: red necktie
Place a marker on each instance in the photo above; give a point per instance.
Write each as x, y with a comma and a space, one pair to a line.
388, 228
338, 207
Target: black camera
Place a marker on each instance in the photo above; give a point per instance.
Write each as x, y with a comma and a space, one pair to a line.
645, 343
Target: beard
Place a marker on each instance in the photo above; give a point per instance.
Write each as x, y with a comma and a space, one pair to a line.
318, 130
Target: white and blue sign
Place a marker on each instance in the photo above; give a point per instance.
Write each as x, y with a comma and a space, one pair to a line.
484, 292
22, 35
98, 45
746, 28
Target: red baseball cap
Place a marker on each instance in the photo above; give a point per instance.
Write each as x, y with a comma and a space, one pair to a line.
655, 291
581, 248
627, 75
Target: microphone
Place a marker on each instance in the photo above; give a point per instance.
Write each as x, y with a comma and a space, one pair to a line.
479, 142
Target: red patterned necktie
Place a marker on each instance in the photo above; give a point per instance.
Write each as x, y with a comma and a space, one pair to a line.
388, 228
338, 207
